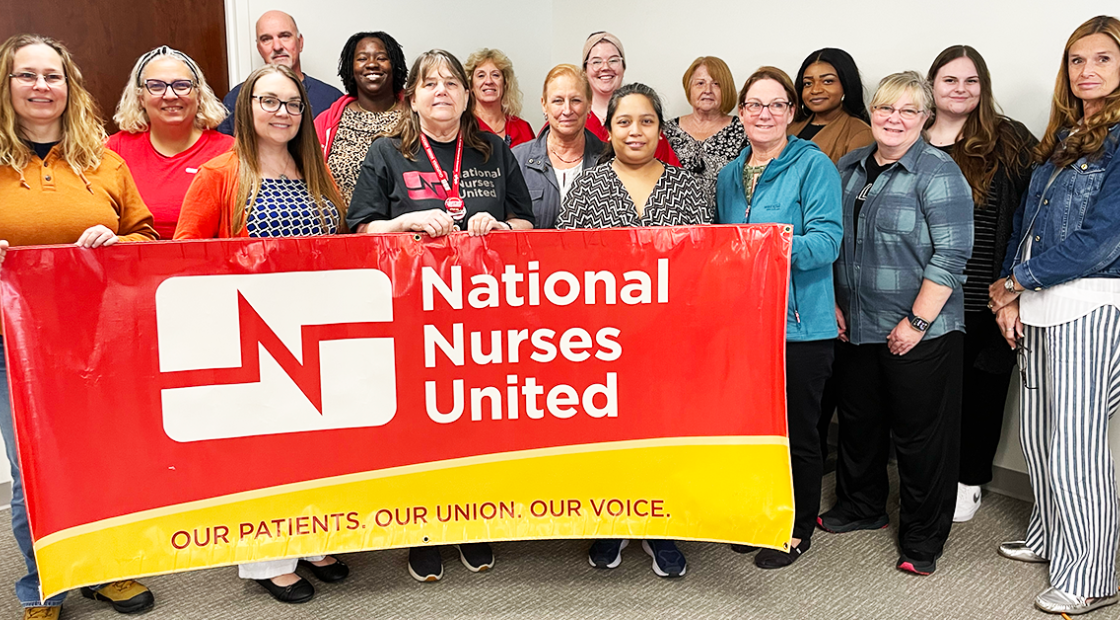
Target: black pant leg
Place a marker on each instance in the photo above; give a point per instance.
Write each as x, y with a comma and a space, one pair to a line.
861, 467
984, 398
923, 391
828, 407
808, 366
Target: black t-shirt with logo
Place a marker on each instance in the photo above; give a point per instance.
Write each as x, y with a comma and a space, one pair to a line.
389, 185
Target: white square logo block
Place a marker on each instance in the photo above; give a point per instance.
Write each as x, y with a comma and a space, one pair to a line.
262, 354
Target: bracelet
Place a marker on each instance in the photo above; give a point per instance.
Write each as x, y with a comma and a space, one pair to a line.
508, 225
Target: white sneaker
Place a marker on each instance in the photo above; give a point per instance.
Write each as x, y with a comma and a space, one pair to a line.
968, 502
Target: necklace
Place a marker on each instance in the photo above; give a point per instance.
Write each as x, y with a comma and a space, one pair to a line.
552, 150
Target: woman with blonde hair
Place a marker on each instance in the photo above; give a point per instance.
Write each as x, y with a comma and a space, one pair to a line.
167, 115
907, 221
1059, 305
497, 99
711, 136
565, 148
58, 185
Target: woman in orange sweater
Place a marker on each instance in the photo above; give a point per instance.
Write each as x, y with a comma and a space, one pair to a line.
58, 185
274, 183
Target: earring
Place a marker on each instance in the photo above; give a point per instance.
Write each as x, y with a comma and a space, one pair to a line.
842, 97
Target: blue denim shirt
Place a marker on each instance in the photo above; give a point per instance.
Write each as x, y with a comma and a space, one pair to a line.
915, 225
1074, 225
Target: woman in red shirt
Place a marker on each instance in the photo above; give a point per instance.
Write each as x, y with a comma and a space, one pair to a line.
497, 99
167, 115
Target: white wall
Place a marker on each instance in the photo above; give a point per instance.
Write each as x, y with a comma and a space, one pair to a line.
1021, 40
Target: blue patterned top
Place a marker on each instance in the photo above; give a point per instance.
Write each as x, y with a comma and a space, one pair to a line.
284, 208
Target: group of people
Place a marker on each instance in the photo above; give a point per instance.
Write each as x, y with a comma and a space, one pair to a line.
934, 239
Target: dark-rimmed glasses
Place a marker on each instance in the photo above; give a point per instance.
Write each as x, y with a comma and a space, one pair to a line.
754, 108
159, 87
272, 104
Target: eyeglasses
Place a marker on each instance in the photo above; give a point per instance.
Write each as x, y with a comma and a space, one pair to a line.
30, 79
159, 87
272, 104
907, 114
597, 63
755, 108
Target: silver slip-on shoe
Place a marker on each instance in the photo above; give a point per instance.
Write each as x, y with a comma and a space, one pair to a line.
1054, 601
1018, 550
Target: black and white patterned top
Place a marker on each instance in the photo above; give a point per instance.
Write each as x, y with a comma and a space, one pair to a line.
598, 199
284, 208
705, 159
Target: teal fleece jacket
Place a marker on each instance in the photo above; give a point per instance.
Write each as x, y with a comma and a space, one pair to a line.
801, 187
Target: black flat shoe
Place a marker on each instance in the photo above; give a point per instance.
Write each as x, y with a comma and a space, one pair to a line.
743, 548
330, 573
299, 592
772, 558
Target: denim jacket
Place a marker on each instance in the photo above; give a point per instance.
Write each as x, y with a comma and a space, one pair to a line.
1073, 222
915, 225
539, 175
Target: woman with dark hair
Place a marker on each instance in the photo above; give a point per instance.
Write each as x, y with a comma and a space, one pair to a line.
830, 108
710, 136
273, 183
1060, 307
373, 73
497, 98
633, 188
994, 153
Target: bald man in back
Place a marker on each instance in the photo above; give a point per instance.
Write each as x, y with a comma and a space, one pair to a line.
280, 43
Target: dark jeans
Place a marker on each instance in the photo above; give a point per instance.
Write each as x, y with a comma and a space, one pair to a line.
985, 395
808, 366
914, 399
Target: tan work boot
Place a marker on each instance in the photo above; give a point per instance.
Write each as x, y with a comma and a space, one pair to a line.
41, 613
127, 597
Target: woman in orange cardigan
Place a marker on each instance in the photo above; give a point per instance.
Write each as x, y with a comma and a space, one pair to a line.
276, 165
274, 183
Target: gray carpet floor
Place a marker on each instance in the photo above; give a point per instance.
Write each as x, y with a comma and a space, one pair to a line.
848, 576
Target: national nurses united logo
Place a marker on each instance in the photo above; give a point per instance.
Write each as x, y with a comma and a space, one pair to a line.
263, 354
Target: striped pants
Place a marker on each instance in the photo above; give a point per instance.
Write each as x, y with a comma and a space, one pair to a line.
1070, 389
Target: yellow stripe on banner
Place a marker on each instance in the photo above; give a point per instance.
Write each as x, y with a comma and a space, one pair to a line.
733, 489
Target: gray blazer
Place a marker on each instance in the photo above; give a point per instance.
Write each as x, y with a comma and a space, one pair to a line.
540, 177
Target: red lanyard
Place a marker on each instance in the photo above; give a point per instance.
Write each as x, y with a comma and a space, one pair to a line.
454, 202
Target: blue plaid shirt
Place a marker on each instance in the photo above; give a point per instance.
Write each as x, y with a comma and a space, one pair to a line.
915, 225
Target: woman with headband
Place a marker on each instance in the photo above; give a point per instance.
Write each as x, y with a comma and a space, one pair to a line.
167, 115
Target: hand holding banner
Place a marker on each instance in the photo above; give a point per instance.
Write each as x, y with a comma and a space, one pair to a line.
194, 404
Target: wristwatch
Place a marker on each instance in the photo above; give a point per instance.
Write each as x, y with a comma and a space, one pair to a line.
1009, 284
918, 322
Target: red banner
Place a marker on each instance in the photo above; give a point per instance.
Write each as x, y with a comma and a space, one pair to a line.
192, 404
